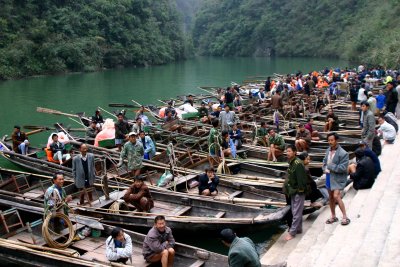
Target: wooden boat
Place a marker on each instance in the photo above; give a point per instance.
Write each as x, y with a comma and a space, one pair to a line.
22, 243
184, 212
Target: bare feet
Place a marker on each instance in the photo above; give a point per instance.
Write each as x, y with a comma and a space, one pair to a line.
289, 237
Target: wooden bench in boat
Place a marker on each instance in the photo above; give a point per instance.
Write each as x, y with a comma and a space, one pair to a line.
163, 208
235, 194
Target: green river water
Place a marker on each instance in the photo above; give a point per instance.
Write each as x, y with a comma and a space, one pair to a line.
73, 93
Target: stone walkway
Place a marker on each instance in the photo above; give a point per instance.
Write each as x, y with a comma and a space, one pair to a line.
371, 239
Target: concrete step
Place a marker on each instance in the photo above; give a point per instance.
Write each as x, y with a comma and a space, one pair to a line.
278, 253
320, 235
390, 255
345, 242
370, 252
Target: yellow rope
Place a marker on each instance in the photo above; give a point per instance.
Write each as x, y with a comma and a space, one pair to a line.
47, 233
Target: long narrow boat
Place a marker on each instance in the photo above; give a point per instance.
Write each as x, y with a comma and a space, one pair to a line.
23, 244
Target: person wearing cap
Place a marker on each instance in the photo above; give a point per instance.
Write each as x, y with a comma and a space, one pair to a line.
362, 173
372, 155
98, 119
203, 113
20, 142
391, 98
148, 145
335, 166
133, 151
242, 250
387, 131
92, 130
303, 138
372, 102
138, 126
368, 130
121, 130
208, 182
83, 171
158, 245
138, 195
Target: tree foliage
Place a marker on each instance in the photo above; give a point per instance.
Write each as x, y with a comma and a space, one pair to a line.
53, 36
357, 30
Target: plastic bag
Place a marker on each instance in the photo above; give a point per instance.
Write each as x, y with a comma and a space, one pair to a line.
165, 179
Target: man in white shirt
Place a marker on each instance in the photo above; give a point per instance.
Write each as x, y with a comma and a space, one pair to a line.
387, 131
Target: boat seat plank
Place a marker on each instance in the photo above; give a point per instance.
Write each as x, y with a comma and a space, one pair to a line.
181, 210
198, 263
26, 237
164, 206
235, 194
90, 243
220, 214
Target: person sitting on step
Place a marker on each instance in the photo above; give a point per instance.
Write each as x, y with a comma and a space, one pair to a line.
119, 246
208, 183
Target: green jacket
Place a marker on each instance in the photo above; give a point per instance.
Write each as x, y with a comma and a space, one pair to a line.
134, 154
243, 253
297, 178
277, 140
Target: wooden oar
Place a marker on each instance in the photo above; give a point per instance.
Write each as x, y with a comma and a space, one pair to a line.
57, 112
109, 113
121, 105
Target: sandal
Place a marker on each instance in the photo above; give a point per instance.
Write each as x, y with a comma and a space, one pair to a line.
345, 221
332, 220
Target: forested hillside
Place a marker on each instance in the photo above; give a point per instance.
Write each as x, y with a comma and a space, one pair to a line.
358, 30
55, 36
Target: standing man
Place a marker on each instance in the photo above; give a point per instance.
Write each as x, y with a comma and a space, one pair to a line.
83, 173
148, 146
92, 131
119, 246
277, 102
391, 97
295, 187
19, 140
368, 130
133, 151
372, 102
242, 251
335, 165
229, 98
214, 142
159, 244
227, 118
121, 130
276, 145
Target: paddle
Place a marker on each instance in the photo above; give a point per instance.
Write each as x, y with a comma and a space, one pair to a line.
121, 105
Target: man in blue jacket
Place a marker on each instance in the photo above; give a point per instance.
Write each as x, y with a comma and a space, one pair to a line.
242, 251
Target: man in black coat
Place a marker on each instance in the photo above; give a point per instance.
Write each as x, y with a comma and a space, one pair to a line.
362, 173
391, 97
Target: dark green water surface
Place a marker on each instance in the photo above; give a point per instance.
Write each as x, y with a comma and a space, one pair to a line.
85, 92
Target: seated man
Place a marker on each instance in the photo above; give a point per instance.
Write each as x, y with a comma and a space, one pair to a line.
98, 119
331, 122
138, 194
58, 150
208, 183
309, 127
203, 113
276, 145
228, 147
236, 135
372, 155
92, 131
362, 173
20, 142
303, 138
387, 131
262, 134
158, 245
119, 246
